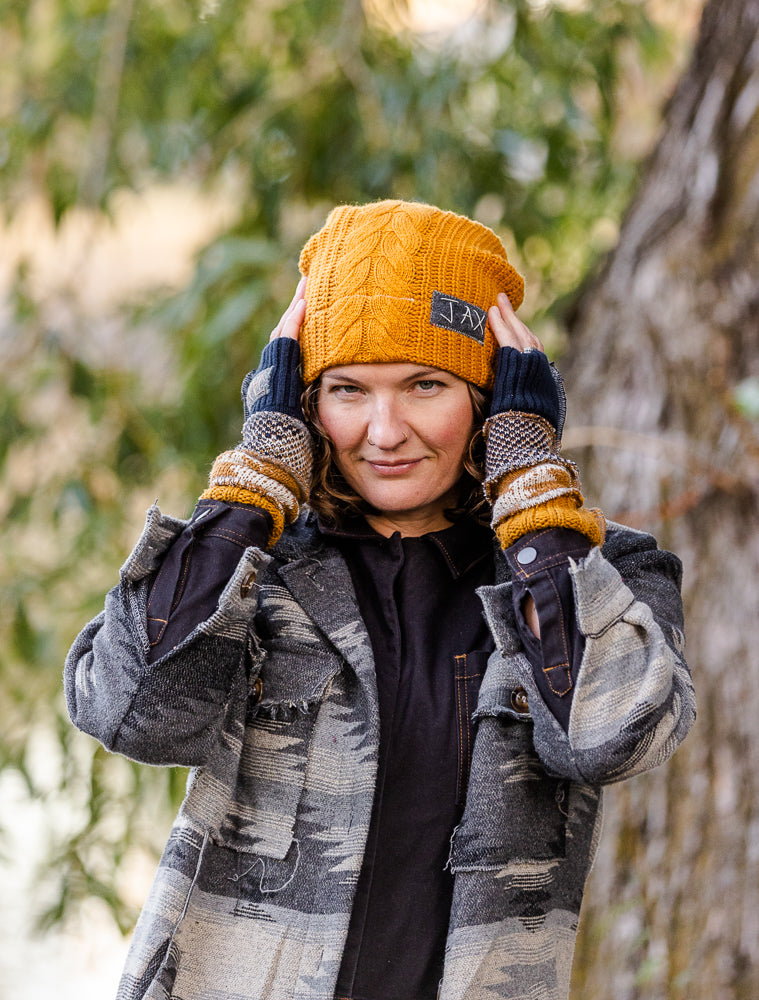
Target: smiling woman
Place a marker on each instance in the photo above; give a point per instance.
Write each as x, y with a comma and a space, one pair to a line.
332, 496
399, 716
400, 434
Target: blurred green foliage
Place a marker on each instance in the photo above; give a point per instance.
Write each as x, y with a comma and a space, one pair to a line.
516, 119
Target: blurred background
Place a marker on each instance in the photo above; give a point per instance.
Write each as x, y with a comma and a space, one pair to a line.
161, 164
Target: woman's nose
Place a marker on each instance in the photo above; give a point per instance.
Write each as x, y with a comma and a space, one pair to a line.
386, 428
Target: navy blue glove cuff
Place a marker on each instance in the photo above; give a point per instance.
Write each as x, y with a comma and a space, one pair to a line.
276, 385
524, 381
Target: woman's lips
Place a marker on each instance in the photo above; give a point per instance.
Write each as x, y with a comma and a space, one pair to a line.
390, 469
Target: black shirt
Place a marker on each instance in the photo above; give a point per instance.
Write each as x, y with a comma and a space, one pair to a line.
430, 642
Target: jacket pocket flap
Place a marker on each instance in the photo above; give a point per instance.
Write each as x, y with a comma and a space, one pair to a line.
299, 681
261, 815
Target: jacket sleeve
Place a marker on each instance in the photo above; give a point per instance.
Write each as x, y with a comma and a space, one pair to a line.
197, 567
633, 700
174, 710
540, 567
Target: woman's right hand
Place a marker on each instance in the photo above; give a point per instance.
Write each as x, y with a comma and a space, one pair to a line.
271, 467
275, 386
292, 318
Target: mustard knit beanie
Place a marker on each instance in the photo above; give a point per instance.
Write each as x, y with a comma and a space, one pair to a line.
402, 281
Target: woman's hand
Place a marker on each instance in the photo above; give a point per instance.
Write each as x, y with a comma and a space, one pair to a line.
292, 318
529, 485
271, 467
508, 329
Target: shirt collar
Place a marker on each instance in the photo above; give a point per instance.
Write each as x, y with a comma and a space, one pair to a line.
464, 544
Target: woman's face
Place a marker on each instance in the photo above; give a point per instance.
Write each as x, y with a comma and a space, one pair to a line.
400, 433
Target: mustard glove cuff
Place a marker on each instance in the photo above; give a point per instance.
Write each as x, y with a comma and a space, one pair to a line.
529, 485
271, 468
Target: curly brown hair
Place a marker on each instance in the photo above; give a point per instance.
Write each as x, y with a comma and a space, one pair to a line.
332, 499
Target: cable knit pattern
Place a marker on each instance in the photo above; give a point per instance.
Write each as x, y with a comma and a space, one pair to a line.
372, 271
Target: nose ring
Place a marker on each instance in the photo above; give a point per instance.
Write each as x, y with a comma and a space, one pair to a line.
369, 440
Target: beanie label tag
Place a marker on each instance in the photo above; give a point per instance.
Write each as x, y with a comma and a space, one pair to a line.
455, 314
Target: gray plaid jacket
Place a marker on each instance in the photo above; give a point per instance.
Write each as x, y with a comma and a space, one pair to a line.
273, 703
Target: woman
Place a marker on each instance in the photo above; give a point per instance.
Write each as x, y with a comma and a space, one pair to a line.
398, 728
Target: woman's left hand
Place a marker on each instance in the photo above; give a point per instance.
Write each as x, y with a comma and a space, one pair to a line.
508, 329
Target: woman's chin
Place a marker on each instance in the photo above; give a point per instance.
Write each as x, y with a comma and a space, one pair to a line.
413, 512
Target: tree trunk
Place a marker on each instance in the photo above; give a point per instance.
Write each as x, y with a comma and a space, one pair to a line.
659, 343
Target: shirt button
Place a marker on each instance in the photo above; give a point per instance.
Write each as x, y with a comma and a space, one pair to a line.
527, 555
519, 701
247, 584
257, 690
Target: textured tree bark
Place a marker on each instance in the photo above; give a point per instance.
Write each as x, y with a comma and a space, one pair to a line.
659, 343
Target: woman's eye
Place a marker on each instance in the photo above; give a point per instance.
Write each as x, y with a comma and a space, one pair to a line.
348, 390
427, 384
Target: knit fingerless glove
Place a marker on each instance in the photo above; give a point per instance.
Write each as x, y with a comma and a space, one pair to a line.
271, 467
529, 485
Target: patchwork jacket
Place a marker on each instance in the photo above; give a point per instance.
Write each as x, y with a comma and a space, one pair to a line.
272, 702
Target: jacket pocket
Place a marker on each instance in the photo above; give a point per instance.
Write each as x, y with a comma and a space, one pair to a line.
469, 669
514, 811
283, 706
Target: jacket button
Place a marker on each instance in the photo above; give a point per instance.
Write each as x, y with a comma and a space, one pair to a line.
247, 584
257, 690
519, 701
527, 555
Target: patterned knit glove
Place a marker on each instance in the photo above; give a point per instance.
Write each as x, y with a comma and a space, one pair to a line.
527, 482
271, 467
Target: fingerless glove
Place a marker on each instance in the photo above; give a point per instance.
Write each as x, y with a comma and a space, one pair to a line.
529, 485
271, 467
